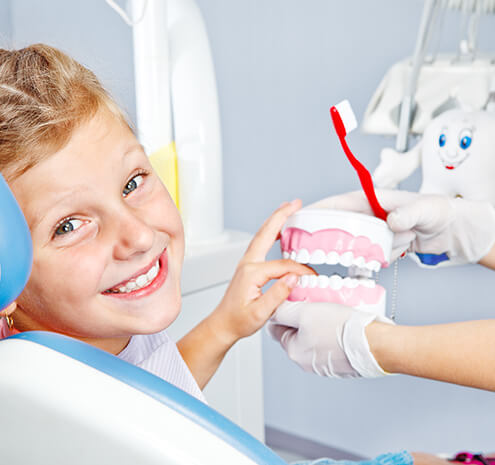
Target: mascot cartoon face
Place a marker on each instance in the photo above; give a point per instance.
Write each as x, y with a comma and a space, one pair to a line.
454, 144
458, 155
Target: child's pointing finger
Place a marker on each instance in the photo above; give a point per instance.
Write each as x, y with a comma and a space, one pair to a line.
269, 232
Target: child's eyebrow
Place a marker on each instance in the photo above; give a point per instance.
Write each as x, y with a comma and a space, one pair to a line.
133, 148
60, 199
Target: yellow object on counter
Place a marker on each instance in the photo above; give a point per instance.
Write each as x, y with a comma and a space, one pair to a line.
164, 162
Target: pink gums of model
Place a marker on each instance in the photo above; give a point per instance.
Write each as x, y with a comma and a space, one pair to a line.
359, 242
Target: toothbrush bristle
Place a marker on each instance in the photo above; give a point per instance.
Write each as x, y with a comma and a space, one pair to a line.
347, 115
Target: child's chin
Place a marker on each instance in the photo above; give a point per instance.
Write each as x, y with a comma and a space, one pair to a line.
157, 323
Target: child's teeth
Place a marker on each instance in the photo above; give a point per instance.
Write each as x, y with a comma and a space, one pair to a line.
131, 285
293, 255
318, 257
153, 272
304, 280
332, 258
286, 255
140, 281
313, 280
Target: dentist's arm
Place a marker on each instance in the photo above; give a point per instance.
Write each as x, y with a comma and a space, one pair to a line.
459, 353
489, 259
244, 309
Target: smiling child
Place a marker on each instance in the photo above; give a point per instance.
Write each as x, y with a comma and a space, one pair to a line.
108, 241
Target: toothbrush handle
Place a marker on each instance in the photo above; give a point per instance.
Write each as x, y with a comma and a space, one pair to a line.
363, 173
366, 182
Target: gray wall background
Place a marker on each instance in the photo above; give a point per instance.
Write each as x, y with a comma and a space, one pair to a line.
280, 65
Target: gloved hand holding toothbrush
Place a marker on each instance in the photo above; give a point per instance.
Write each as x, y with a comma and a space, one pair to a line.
461, 229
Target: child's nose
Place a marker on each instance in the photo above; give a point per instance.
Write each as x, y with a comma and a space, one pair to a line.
134, 236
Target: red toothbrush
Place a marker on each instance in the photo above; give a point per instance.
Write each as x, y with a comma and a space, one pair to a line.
344, 121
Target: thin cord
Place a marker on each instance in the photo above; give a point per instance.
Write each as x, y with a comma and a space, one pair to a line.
393, 298
112, 4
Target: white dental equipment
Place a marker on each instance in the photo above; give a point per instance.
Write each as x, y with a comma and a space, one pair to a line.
68, 402
176, 100
416, 90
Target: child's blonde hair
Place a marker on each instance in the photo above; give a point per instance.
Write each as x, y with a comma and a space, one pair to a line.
44, 96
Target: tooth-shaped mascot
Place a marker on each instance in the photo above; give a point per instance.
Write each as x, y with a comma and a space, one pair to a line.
457, 158
456, 154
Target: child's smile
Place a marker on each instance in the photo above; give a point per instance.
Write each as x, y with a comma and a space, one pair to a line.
143, 282
108, 240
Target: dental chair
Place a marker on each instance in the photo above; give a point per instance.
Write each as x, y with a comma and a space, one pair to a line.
64, 402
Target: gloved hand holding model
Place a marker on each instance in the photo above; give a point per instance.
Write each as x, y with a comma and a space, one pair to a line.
338, 341
429, 223
326, 338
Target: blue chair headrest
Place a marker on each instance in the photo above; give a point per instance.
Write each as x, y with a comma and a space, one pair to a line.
16, 249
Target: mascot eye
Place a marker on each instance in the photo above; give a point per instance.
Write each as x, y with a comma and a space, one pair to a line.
465, 139
441, 140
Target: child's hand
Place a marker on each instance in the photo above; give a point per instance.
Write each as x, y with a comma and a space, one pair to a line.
244, 308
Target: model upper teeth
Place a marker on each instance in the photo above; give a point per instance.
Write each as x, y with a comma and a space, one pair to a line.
138, 282
319, 257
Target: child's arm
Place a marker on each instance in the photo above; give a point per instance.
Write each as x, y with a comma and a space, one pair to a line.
244, 308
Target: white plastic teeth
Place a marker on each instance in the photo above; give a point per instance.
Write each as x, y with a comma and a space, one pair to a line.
139, 282
319, 257
334, 282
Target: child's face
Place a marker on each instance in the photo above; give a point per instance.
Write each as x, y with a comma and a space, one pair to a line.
99, 218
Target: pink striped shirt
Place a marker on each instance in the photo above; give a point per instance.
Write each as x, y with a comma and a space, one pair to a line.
158, 354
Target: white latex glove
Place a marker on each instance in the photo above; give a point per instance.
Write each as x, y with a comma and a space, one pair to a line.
428, 223
389, 199
463, 229
326, 338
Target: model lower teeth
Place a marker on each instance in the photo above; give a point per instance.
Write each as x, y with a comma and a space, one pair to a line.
328, 237
139, 282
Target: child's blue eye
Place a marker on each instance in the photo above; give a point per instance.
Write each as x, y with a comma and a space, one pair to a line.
68, 226
465, 142
441, 140
132, 184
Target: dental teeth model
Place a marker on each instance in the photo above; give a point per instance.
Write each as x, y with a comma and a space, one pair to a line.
356, 241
